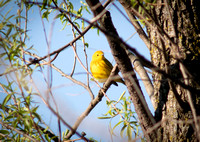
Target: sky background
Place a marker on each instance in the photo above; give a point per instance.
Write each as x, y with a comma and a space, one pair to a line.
71, 98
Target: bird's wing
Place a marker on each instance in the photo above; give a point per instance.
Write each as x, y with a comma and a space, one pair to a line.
108, 64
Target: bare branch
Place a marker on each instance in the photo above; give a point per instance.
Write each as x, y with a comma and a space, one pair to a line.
94, 102
68, 19
139, 68
134, 22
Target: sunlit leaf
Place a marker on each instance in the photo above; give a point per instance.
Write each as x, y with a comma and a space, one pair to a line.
86, 44
36, 115
104, 117
125, 106
122, 130
5, 101
46, 15
129, 132
117, 124
47, 138
121, 96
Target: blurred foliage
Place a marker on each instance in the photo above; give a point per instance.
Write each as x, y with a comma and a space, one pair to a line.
19, 120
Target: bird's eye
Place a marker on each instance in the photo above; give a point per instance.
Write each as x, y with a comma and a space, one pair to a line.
97, 54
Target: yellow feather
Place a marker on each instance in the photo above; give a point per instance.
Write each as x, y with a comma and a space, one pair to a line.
101, 68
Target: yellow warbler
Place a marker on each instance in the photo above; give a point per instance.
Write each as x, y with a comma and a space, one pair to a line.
101, 68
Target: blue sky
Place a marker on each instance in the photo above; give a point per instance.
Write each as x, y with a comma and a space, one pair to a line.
72, 99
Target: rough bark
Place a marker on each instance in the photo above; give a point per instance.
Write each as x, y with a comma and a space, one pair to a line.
180, 21
173, 28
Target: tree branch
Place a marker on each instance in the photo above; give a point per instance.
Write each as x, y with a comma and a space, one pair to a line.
135, 23
124, 65
94, 102
139, 68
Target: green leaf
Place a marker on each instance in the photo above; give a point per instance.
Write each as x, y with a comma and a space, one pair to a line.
122, 130
5, 101
106, 117
77, 24
2, 54
70, 6
66, 132
108, 112
133, 122
1, 26
137, 130
46, 15
8, 117
2, 3
2, 115
117, 125
46, 129
140, 9
125, 106
37, 116
28, 99
122, 95
5, 132
110, 102
80, 10
87, 45
27, 123
86, 8
47, 138
133, 3
8, 31
129, 132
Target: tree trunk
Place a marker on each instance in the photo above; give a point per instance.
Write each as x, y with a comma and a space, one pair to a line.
171, 49
173, 28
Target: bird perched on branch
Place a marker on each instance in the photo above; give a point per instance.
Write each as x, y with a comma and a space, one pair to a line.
101, 68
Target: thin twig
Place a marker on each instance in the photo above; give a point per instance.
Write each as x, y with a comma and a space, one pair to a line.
49, 70
63, 74
51, 109
74, 36
86, 68
86, 59
189, 95
136, 24
68, 19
